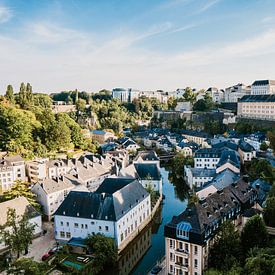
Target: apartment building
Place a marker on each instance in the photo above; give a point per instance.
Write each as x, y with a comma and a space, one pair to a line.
37, 169
257, 107
12, 168
236, 92
117, 209
189, 235
197, 137
102, 136
263, 87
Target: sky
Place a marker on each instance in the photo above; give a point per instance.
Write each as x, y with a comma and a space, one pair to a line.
143, 44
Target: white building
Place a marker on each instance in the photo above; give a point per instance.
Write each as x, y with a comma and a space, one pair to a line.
118, 209
216, 94
12, 168
236, 92
37, 169
148, 174
183, 106
51, 193
257, 107
22, 207
263, 87
125, 95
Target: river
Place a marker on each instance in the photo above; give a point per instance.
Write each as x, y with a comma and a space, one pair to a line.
172, 206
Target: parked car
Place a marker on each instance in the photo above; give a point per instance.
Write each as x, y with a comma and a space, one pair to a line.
55, 250
156, 269
45, 256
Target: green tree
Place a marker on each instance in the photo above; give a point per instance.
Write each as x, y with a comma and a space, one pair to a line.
172, 103
263, 146
21, 189
269, 211
81, 105
10, 95
225, 251
271, 138
27, 266
254, 234
17, 232
104, 248
189, 95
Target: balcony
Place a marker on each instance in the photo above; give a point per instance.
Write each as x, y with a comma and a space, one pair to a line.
182, 251
181, 266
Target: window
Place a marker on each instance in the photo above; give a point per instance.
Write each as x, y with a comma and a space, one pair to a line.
121, 237
68, 235
92, 222
68, 224
100, 228
86, 226
82, 226
196, 263
61, 223
107, 228
76, 225
196, 250
62, 234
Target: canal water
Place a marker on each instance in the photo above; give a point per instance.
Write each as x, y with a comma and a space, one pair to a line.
155, 246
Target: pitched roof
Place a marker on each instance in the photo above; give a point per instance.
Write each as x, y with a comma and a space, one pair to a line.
224, 179
203, 172
229, 156
147, 171
107, 203
147, 155
245, 146
21, 206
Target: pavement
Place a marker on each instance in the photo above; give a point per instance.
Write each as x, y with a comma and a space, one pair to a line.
42, 244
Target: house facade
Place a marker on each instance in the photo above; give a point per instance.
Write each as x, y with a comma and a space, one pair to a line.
263, 87
118, 209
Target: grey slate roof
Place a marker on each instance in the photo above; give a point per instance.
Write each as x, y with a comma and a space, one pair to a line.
263, 82
147, 155
224, 179
102, 205
203, 172
208, 212
231, 157
208, 153
245, 146
147, 170
258, 98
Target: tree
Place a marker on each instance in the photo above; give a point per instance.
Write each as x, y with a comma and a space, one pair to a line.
254, 234
260, 262
27, 266
225, 251
104, 248
9, 94
189, 95
172, 103
21, 189
269, 211
81, 105
271, 137
263, 146
193, 199
17, 232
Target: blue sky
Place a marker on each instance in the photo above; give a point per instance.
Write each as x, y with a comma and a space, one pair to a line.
144, 44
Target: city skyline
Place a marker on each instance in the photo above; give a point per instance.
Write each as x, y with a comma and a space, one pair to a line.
91, 45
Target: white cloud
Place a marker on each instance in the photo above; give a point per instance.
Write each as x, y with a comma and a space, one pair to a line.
207, 5
54, 58
5, 14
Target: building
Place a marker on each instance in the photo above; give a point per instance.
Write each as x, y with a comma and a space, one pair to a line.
102, 136
12, 168
189, 235
125, 95
50, 193
263, 87
183, 106
147, 157
37, 169
118, 209
148, 174
21, 207
216, 94
197, 137
257, 107
246, 151
187, 148
236, 92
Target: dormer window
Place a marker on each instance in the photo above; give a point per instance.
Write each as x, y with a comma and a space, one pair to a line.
183, 229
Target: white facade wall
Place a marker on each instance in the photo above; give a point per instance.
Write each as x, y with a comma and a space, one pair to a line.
209, 163
68, 227
263, 89
260, 110
156, 184
50, 202
183, 257
58, 171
